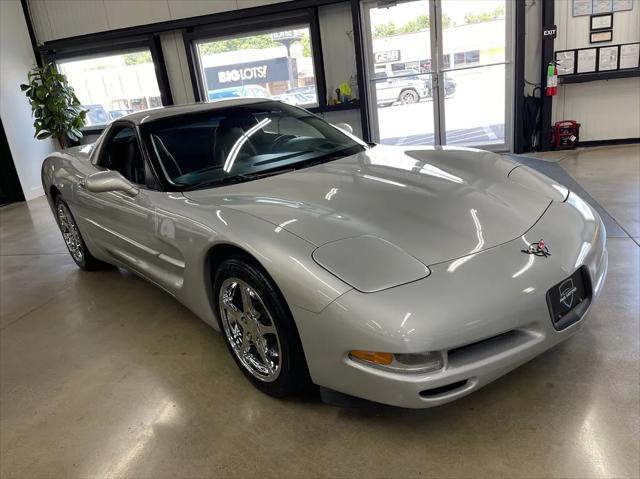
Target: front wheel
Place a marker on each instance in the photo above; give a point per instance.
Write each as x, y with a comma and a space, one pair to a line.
258, 329
73, 239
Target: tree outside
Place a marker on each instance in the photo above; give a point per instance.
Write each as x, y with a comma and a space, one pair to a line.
137, 58
255, 42
484, 16
421, 22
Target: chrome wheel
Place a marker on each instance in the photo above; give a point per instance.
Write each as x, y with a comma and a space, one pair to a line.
70, 232
250, 329
409, 97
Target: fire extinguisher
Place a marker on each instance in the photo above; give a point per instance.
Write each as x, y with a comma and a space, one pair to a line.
552, 80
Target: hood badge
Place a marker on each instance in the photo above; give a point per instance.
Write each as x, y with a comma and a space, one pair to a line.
539, 248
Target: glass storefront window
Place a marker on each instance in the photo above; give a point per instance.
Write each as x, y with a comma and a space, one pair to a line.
475, 32
111, 86
276, 64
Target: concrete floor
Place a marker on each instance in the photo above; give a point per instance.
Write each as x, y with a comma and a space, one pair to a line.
103, 375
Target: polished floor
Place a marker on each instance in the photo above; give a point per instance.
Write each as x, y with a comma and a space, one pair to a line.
103, 375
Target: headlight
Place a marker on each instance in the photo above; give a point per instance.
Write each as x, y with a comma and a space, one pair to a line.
407, 363
380, 264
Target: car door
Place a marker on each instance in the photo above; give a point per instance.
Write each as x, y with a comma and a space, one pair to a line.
123, 226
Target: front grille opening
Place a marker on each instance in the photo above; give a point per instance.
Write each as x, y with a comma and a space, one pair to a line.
500, 337
443, 389
490, 347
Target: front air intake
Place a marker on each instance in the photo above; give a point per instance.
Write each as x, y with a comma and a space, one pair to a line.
429, 393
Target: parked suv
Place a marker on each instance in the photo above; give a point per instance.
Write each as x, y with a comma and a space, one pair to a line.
449, 85
405, 87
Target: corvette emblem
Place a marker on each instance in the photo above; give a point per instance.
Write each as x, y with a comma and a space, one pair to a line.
567, 291
539, 248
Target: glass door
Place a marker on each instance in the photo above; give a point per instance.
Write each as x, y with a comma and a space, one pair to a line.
439, 71
399, 72
475, 73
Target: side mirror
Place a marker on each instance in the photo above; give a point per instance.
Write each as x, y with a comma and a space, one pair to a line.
346, 127
104, 181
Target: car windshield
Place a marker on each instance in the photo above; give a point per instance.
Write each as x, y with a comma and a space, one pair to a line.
241, 143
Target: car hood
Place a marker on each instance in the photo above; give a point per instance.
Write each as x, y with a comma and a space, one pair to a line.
435, 203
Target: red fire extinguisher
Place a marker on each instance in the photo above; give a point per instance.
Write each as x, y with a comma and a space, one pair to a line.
552, 80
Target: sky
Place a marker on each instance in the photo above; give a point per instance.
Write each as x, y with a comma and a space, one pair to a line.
456, 9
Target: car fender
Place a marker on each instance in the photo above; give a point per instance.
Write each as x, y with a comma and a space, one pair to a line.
284, 256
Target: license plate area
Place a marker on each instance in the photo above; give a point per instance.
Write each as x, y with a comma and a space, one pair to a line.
569, 299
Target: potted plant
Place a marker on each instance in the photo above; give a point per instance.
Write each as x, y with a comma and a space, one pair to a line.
54, 105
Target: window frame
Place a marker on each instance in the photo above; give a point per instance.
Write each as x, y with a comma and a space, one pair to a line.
188, 25
127, 45
102, 142
307, 17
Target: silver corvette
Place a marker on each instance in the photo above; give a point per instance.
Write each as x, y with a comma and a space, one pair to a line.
406, 276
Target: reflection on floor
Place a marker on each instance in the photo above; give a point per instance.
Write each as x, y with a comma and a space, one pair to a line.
483, 135
102, 374
555, 171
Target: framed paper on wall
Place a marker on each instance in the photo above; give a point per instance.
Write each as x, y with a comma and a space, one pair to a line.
622, 5
602, 6
604, 21
566, 62
582, 7
601, 36
630, 55
586, 60
608, 58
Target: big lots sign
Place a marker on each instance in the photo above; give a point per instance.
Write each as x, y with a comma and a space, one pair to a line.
257, 72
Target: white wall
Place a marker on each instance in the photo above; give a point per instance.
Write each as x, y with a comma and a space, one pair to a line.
16, 58
175, 58
336, 32
607, 109
55, 19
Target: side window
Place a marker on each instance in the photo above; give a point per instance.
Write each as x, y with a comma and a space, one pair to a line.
122, 154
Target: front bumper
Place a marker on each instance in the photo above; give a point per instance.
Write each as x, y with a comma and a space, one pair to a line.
486, 313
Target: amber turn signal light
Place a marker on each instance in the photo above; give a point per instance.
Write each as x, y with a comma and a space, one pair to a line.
373, 357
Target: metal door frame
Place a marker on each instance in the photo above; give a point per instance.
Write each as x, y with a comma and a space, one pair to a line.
438, 96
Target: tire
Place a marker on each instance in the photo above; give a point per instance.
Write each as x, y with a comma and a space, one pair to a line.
73, 239
408, 97
264, 343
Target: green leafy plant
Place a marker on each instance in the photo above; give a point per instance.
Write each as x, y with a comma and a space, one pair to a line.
54, 105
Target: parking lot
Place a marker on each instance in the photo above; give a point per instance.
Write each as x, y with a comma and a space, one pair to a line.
472, 114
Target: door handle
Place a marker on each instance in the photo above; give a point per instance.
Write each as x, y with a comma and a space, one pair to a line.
82, 184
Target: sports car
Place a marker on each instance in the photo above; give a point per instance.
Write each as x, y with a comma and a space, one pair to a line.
409, 276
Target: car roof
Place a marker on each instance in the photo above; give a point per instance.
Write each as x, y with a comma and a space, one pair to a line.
147, 116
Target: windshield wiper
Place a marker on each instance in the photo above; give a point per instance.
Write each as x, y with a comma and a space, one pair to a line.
229, 180
257, 176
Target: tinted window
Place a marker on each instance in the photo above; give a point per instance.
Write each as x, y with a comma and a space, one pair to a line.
259, 64
122, 154
240, 143
121, 82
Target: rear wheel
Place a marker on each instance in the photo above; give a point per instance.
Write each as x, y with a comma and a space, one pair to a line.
409, 96
73, 239
258, 328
